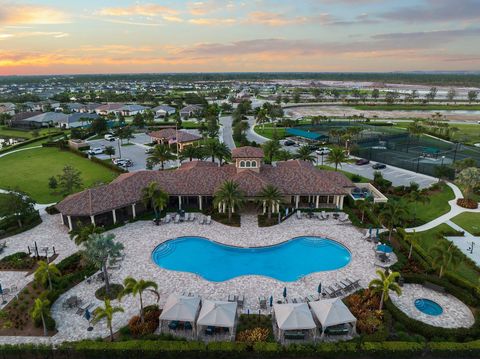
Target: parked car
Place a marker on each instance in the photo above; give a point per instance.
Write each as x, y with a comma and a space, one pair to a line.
109, 137
123, 162
95, 151
149, 150
289, 143
362, 161
379, 166
323, 151
313, 146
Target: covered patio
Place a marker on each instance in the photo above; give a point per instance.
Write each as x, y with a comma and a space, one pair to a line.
179, 315
294, 322
217, 320
334, 317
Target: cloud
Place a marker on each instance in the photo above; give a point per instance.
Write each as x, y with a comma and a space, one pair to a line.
23, 34
212, 21
201, 8
145, 10
23, 14
436, 11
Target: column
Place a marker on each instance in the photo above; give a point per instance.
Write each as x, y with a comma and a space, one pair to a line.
114, 214
264, 207
328, 199
341, 201
63, 219
179, 202
317, 202
224, 207
297, 200
134, 212
200, 203
70, 222
233, 207
220, 207
92, 219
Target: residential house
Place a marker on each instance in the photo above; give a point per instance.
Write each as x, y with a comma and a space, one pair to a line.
190, 111
164, 110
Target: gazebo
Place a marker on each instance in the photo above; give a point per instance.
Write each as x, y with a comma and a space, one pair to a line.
293, 320
180, 309
334, 316
217, 314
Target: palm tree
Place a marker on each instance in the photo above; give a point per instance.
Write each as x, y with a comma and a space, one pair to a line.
416, 197
223, 152
336, 156
109, 150
211, 148
41, 310
100, 250
469, 179
271, 196
229, 195
444, 255
161, 153
364, 206
284, 155
189, 152
83, 232
413, 240
46, 272
305, 154
134, 287
106, 312
271, 149
392, 213
154, 196
384, 284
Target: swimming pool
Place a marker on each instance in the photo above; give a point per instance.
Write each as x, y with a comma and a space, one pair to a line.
428, 307
286, 262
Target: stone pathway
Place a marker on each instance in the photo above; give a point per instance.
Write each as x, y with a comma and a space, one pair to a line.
455, 313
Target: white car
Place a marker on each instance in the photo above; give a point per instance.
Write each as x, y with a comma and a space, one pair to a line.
322, 151
96, 151
109, 137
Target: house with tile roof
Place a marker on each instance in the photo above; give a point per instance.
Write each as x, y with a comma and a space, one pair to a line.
194, 184
171, 136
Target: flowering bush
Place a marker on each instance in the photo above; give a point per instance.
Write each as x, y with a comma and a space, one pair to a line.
467, 203
137, 328
364, 306
253, 335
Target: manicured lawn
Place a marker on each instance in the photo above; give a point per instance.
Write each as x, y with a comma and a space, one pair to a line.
348, 174
428, 239
437, 206
268, 131
30, 170
468, 134
417, 107
469, 222
11, 132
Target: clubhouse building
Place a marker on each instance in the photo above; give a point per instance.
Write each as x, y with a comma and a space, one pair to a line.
193, 186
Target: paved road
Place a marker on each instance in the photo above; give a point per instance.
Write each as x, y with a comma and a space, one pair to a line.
227, 131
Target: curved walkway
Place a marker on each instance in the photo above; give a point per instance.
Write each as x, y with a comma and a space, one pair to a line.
455, 210
19, 150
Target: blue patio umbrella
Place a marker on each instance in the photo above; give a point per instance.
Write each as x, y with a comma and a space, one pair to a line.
319, 289
285, 292
271, 301
1, 289
370, 231
87, 315
378, 230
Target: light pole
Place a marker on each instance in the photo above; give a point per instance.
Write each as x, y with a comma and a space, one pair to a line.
119, 147
443, 158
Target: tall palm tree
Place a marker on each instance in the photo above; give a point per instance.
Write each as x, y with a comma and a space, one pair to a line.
271, 196
417, 197
223, 152
364, 206
153, 195
444, 255
271, 149
230, 195
284, 155
392, 213
161, 153
211, 148
100, 250
41, 310
107, 312
83, 232
134, 287
189, 152
305, 154
45, 273
336, 156
384, 284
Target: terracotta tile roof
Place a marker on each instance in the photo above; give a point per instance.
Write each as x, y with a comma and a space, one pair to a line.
247, 152
172, 134
203, 178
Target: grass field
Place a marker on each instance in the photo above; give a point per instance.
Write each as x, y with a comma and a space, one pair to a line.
268, 131
348, 174
437, 206
468, 133
469, 222
30, 170
11, 132
428, 239
417, 107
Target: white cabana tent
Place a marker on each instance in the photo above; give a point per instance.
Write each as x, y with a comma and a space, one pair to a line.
217, 314
293, 317
180, 308
332, 312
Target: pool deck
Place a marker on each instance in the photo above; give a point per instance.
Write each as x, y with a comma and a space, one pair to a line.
140, 238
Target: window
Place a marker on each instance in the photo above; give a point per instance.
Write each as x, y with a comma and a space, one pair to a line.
248, 164
254, 164
242, 164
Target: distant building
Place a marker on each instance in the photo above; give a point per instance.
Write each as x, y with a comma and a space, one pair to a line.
171, 136
78, 119
132, 110
32, 120
164, 110
104, 110
190, 111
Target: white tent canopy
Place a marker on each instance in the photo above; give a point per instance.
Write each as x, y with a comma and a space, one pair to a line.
180, 308
331, 312
217, 314
293, 316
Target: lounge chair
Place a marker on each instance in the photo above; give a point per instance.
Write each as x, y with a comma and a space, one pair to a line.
167, 219
299, 214
202, 220
209, 220
263, 302
187, 326
355, 284
210, 330
240, 300
324, 215
192, 217
173, 325
232, 298
177, 219
344, 218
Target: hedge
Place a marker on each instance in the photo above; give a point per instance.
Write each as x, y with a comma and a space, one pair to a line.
176, 349
26, 227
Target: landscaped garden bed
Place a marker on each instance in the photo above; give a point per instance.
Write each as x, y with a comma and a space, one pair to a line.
21, 261
254, 328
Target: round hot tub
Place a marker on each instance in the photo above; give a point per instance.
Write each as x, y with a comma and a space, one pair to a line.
428, 307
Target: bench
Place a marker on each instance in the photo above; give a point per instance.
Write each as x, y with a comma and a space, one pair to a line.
337, 330
435, 287
295, 336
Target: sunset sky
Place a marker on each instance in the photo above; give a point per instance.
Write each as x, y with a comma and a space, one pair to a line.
63, 36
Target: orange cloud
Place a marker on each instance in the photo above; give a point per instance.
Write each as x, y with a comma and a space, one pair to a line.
211, 21
165, 12
19, 14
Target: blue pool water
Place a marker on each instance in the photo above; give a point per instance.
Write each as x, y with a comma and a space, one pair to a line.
428, 306
384, 248
286, 262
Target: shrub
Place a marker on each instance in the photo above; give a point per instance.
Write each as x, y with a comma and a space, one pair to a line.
115, 290
52, 210
467, 203
253, 335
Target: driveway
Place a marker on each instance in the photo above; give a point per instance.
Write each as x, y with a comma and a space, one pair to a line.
227, 131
